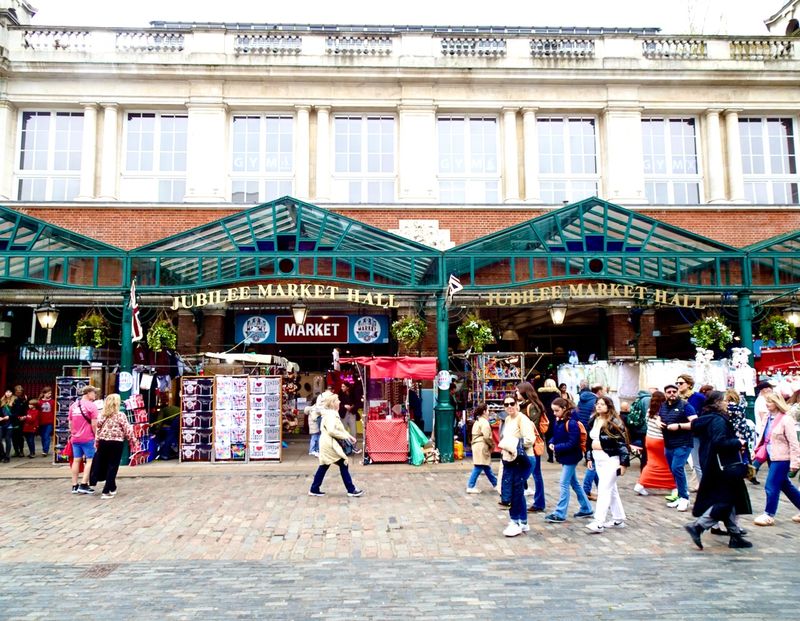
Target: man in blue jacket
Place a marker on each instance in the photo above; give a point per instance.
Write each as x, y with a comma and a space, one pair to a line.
685, 384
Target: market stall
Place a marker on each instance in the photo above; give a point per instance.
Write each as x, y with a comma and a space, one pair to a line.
386, 382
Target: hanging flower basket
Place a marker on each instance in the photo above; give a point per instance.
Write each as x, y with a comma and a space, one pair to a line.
776, 328
475, 333
92, 330
710, 332
162, 335
409, 331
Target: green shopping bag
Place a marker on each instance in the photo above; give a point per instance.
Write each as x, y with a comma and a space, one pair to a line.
416, 440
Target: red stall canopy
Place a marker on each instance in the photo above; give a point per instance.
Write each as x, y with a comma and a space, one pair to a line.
401, 367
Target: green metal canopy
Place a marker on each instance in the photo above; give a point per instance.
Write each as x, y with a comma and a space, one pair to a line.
595, 239
286, 238
775, 263
34, 251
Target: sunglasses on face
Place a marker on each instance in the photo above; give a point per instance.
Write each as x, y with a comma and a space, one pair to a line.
679, 383
672, 392
509, 403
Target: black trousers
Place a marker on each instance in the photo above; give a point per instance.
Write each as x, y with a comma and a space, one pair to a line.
18, 440
106, 464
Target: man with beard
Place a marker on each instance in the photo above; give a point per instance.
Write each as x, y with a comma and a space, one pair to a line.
676, 416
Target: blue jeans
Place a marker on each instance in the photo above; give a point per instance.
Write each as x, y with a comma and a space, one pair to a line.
518, 472
313, 444
698, 469
538, 481
30, 438
46, 433
777, 482
505, 488
343, 470
5, 439
589, 480
570, 479
476, 471
677, 458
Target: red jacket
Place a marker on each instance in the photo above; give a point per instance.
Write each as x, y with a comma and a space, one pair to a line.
30, 422
47, 415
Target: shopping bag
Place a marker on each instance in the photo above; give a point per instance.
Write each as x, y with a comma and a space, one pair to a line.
416, 440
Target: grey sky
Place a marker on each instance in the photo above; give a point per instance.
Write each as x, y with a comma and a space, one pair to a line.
672, 16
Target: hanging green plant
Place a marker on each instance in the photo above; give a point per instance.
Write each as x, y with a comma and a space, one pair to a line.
162, 335
409, 331
475, 333
710, 331
92, 330
776, 328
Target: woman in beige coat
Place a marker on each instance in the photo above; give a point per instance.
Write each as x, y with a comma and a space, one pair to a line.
330, 451
482, 445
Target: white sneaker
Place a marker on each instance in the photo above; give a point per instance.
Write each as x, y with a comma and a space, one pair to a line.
512, 530
530, 492
683, 504
614, 524
473, 490
595, 527
524, 527
674, 503
639, 489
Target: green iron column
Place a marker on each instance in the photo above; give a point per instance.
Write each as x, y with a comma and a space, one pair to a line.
443, 409
746, 339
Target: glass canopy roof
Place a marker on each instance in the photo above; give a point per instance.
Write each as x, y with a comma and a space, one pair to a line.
776, 261
596, 239
34, 251
282, 239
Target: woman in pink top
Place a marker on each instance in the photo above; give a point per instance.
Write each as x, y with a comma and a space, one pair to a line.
82, 429
783, 455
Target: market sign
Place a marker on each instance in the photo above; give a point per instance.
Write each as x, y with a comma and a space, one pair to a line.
281, 292
592, 291
336, 329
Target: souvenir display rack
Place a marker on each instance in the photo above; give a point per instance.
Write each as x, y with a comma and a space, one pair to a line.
137, 416
265, 418
230, 417
68, 390
197, 394
493, 376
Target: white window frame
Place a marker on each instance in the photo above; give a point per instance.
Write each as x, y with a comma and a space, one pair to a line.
569, 180
48, 177
259, 181
147, 185
670, 178
769, 179
361, 186
467, 187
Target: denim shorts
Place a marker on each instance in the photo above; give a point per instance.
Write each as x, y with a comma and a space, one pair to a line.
83, 449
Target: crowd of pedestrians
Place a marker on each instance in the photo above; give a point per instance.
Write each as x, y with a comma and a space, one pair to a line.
22, 421
669, 430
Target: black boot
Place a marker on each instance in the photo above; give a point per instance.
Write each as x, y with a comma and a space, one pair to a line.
755, 481
694, 533
737, 541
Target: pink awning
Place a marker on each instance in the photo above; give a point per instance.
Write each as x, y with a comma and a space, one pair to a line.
401, 367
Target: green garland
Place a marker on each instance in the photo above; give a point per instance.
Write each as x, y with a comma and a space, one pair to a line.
162, 335
92, 330
409, 331
475, 333
710, 331
776, 328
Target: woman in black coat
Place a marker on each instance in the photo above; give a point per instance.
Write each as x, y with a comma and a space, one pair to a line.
722, 495
548, 393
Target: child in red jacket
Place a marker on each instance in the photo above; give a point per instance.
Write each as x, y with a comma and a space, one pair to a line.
30, 425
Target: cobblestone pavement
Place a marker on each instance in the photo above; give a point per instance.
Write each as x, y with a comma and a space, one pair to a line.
238, 543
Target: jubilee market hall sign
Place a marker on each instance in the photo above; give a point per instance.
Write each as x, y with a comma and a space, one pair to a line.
279, 292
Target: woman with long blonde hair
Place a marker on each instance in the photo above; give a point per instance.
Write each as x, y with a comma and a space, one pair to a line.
113, 429
780, 447
5, 425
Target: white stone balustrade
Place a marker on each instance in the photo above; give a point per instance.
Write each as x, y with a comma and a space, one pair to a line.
45, 39
763, 49
149, 41
268, 44
473, 46
562, 47
675, 48
358, 45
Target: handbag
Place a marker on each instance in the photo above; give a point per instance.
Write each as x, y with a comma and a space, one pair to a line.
347, 446
67, 450
736, 469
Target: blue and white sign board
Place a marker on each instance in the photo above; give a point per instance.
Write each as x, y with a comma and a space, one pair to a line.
341, 329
